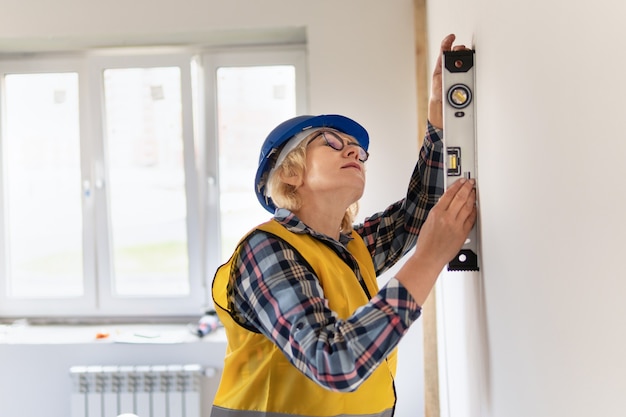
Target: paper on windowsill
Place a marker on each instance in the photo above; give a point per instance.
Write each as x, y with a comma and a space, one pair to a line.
153, 337
114, 333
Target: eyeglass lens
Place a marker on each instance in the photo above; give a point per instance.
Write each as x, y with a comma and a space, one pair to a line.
337, 143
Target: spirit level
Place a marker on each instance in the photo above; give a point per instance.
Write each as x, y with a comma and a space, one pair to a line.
459, 138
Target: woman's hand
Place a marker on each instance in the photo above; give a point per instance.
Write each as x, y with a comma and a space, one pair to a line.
435, 105
448, 224
443, 234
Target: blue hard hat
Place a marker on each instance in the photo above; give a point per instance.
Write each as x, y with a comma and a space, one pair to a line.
289, 128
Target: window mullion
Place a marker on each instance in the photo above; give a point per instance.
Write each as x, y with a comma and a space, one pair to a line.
87, 150
194, 243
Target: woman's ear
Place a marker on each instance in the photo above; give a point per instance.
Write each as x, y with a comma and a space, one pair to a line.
290, 178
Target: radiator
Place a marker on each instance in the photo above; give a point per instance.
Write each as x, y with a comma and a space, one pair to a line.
147, 391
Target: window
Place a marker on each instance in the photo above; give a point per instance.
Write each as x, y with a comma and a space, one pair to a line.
146, 181
42, 166
127, 177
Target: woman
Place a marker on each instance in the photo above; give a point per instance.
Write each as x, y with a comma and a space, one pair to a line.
309, 332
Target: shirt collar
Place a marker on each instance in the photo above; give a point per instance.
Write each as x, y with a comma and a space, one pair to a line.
295, 225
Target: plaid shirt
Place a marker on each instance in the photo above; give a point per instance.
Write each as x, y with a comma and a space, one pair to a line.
277, 294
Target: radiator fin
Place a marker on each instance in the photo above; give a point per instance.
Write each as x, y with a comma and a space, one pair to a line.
147, 391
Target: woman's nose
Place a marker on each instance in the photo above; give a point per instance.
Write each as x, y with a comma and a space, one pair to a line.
351, 151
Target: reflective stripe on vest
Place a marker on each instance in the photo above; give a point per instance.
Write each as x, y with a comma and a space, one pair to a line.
221, 412
257, 376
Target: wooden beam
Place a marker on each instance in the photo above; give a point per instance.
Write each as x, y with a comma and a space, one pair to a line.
421, 66
429, 309
431, 365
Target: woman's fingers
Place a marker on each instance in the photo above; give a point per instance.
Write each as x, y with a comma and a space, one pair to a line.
449, 196
464, 199
459, 203
447, 42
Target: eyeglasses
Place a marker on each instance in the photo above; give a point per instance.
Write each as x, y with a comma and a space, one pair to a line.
336, 142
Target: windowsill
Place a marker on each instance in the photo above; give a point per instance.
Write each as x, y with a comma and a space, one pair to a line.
105, 334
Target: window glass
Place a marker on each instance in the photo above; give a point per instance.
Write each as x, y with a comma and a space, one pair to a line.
251, 101
146, 190
42, 183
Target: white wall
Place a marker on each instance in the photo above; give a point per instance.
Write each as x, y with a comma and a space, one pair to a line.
35, 379
361, 63
551, 144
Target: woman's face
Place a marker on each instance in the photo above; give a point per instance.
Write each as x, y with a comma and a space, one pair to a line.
337, 176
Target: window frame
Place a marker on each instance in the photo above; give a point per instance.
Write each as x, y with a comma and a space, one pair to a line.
209, 188
200, 149
33, 306
109, 304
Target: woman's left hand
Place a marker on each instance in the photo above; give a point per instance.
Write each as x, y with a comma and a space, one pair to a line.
435, 105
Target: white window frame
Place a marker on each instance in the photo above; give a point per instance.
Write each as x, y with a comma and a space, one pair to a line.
48, 306
209, 188
201, 173
110, 305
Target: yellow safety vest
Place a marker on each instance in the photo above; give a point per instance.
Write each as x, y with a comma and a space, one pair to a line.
258, 381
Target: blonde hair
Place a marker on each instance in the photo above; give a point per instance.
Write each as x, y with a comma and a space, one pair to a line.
286, 195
